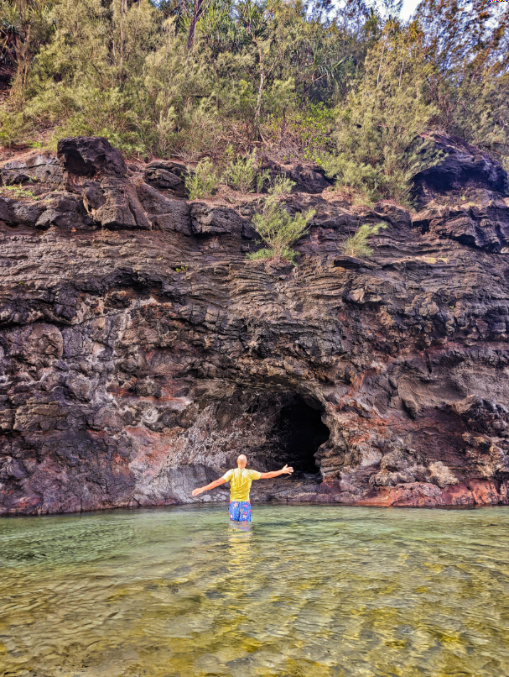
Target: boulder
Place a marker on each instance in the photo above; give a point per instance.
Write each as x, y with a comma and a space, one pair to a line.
114, 204
167, 175
64, 210
461, 165
37, 168
307, 178
163, 212
214, 220
90, 155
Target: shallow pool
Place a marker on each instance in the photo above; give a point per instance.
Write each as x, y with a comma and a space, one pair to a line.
309, 591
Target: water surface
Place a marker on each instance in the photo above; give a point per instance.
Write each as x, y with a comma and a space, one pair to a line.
309, 591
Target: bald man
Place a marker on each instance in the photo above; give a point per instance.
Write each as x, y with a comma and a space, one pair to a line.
240, 485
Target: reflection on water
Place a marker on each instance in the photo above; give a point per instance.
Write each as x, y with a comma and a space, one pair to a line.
307, 591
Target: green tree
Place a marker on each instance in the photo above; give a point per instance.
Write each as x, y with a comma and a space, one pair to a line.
285, 77
469, 43
203, 182
87, 79
379, 123
24, 27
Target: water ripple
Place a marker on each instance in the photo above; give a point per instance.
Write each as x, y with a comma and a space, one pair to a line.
308, 591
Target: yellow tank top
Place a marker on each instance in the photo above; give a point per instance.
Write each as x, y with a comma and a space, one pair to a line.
240, 483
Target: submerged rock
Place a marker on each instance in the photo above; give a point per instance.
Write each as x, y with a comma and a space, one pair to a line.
141, 352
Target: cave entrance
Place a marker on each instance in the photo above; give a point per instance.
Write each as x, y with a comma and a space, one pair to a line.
298, 432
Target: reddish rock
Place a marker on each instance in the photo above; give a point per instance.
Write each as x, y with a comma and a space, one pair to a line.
484, 492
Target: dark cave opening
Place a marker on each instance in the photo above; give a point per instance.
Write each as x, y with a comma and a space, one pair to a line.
298, 432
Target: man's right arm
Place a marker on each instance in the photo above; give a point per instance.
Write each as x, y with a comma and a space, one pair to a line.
276, 473
212, 485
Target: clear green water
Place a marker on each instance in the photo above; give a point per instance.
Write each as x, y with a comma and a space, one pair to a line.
309, 591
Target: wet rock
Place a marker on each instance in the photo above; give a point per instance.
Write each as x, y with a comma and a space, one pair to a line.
485, 492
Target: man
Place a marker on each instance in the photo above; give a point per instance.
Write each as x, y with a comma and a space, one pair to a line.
240, 484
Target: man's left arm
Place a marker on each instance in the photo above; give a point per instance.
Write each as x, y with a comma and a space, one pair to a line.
287, 470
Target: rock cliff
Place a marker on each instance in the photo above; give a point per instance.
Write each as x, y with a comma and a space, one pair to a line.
140, 351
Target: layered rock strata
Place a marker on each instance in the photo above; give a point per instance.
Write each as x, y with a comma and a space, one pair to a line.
140, 351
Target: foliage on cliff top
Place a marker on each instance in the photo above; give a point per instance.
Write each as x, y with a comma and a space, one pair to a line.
349, 85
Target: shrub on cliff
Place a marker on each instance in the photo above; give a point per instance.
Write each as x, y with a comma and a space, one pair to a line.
357, 244
203, 182
12, 127
277, 227
243, 173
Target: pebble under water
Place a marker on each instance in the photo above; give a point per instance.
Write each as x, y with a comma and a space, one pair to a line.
308, 591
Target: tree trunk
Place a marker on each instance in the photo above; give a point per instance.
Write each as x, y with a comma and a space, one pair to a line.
198, 9
260, 92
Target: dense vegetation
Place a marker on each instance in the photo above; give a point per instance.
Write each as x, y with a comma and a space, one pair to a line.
349, 85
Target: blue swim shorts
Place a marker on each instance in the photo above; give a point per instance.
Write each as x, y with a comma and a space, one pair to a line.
240, 511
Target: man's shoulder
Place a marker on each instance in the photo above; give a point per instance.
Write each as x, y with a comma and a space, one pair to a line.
228, 474
254, 474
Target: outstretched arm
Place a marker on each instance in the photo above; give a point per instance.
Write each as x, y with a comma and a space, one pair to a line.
212, 485
275, 473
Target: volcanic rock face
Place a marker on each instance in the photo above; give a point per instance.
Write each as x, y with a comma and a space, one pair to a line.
140, 352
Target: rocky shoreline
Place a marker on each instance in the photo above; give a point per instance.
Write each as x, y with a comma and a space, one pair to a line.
140, 351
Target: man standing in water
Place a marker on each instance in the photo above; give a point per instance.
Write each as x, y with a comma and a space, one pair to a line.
240, 484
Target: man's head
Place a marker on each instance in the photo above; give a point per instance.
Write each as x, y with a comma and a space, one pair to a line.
241, 461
